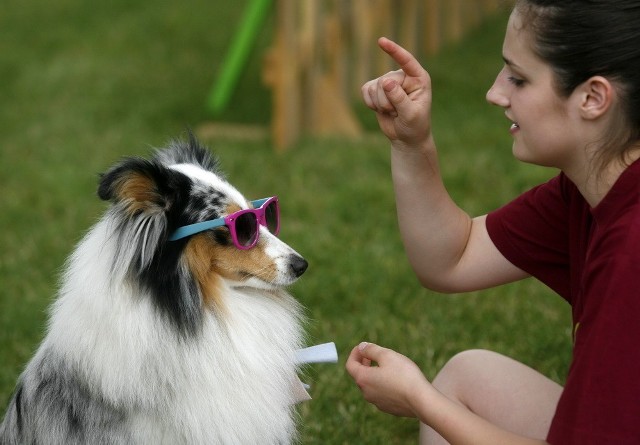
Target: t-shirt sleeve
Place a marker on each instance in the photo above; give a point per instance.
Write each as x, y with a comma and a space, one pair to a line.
532, 233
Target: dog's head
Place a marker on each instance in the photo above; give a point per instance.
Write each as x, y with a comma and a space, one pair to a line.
179, 187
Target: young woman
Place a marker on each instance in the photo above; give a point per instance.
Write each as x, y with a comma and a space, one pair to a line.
570, 88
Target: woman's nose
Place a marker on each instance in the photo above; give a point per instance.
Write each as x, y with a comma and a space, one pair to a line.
497, 97
497, 93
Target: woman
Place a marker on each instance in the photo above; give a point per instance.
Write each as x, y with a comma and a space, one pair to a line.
570, 88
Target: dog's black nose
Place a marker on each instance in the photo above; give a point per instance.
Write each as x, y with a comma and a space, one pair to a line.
298, 265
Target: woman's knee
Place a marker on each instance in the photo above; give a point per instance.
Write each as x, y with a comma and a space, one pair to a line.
494, 386
464, 370
461, 367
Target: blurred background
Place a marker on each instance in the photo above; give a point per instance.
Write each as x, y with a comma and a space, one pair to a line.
273, 88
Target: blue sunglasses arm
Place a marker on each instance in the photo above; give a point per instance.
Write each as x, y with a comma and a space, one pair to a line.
191, 229
259, 202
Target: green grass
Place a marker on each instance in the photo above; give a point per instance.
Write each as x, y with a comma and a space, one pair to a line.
86, 83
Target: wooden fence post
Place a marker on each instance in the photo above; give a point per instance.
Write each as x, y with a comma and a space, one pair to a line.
324, 50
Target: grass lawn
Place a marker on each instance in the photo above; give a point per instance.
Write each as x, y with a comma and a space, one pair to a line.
84, 83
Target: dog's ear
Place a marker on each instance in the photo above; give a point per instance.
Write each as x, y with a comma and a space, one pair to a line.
144, 196
139, 186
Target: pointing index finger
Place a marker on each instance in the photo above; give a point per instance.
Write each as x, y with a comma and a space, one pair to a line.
404, 58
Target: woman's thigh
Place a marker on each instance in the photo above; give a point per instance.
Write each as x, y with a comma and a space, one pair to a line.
506, 392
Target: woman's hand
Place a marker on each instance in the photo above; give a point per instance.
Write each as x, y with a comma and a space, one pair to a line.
393, 384
401, 99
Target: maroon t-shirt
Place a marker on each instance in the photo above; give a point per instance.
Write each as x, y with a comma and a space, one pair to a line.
591, 257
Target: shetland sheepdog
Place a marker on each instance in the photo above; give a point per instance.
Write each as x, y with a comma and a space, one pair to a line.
172, 325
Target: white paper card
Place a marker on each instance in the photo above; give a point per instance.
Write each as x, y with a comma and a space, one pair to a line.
324, 353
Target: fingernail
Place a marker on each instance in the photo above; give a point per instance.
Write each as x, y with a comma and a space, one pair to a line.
362, 345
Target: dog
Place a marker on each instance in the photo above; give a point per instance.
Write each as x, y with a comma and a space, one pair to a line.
172, 324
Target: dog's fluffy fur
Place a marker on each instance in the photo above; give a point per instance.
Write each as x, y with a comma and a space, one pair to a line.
153, 341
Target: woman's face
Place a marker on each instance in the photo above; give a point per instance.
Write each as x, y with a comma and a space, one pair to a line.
544, 128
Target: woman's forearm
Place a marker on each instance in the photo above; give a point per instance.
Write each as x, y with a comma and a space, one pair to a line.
435, 231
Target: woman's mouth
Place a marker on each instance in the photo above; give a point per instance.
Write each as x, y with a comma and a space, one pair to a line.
514, 127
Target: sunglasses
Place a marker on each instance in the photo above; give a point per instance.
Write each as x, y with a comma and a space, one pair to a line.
244, 225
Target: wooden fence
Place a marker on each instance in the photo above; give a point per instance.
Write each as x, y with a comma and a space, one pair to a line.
324, 50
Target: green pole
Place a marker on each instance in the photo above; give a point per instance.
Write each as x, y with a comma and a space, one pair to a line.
236, 57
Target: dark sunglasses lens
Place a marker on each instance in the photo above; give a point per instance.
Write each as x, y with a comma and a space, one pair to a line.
246, 229
271, 216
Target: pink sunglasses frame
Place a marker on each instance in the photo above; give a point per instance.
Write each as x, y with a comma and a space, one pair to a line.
259, 210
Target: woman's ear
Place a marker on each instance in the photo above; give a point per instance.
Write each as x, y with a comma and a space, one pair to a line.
597, 96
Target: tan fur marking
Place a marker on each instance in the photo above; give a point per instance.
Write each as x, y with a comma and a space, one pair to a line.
236, 264
233, 263
138, 192
199, 254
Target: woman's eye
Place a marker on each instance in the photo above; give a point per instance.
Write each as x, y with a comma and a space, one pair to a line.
517, 82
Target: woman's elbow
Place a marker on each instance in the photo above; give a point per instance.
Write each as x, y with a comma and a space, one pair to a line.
441, 283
